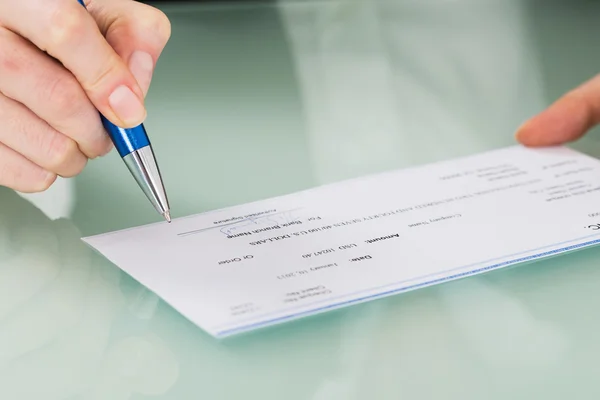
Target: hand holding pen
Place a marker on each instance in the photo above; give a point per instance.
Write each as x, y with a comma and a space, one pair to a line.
61, 68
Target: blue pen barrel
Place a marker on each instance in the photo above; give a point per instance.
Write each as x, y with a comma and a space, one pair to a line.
134, 148
126, 140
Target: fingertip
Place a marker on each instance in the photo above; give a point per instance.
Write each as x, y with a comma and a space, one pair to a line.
102, 144
528, 134
564, 121
107, 149
521, 134
45, 180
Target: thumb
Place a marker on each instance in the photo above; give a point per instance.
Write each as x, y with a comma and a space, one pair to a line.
137, 32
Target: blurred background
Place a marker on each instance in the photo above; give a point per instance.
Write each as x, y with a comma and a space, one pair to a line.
257, 99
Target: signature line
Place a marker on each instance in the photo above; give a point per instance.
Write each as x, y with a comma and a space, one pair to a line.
234, 223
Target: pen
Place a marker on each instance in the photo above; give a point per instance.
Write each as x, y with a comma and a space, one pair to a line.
136, 151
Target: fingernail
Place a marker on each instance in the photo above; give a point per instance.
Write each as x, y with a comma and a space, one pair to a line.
127, 106
141, 66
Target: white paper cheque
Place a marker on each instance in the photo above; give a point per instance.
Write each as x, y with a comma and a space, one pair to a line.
272, 261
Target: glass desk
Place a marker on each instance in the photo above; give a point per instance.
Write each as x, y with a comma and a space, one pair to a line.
251, 101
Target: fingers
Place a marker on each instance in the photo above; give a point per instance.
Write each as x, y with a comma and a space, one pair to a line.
66, 31
24, 132
52, 93
49, 122
137, 32
568, 119
22, 175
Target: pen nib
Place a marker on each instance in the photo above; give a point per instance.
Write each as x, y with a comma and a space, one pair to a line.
167, 216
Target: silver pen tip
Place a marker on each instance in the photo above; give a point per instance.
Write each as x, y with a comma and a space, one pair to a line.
167, 216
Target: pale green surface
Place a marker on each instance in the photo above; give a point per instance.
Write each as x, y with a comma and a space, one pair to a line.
255, 101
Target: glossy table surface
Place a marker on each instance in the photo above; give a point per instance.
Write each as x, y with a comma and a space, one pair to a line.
251, 101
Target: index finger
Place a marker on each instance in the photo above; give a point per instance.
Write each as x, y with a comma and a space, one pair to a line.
566, 120
66, 31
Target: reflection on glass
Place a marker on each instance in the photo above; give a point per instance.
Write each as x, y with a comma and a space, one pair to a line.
58, 306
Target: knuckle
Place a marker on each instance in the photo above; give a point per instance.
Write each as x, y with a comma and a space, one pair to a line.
9, 58
157, 22
64, 93
162, 25
63, 26
25, 178
111, 69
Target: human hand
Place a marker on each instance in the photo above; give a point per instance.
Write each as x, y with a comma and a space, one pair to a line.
568, 119
59, 65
